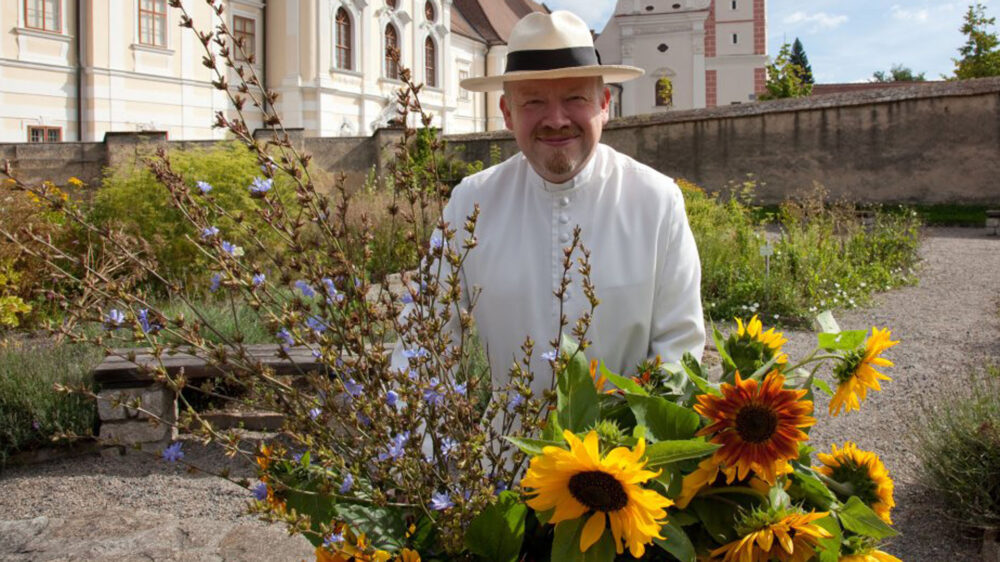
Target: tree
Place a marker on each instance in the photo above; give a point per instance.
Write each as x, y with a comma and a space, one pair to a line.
799, 58
980, 55
898, 73
785, 78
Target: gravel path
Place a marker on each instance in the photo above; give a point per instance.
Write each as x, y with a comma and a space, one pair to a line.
137, 508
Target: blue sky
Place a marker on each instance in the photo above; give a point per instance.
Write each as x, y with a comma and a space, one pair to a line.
848, 40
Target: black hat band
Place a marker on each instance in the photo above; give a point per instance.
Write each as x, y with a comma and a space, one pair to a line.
551, 59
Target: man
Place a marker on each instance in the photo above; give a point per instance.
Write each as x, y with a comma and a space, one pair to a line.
644, 262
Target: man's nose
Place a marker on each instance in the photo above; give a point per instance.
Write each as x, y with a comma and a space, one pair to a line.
556, 116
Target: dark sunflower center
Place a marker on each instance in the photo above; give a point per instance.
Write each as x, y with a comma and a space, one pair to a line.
756, 423
598, 490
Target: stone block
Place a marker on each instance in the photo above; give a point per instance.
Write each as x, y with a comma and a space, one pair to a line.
993, 222
156, 399
132, 432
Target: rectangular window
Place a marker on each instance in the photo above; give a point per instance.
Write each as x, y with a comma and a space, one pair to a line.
153, 22
734, 4
43, 14
245, 29
44, 134
736, 39
463, 94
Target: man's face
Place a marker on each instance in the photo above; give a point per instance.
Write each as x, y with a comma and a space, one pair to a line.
557, 123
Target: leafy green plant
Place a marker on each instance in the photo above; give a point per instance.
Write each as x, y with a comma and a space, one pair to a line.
31, 414
959, 451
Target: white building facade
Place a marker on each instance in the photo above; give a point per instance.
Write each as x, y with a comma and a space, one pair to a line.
696, 53
73, 70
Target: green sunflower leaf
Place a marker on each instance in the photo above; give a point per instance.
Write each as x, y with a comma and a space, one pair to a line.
497, 532
822, 385
566, 543
829, 550
576, 396
858, 517
688, 362
666, 452
806, 486
842, 341
666, 421
676, 542
624, 383
532, 447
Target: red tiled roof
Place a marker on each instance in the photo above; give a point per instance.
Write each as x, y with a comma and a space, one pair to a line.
492, 20
461, 26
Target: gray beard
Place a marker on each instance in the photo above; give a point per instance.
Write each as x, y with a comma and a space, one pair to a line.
559, 164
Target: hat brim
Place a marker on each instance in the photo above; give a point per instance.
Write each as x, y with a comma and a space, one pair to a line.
611, 73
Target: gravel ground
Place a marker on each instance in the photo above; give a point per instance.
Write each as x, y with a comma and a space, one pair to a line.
134, 507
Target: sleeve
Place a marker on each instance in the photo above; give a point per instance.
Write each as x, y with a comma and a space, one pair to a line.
677, 325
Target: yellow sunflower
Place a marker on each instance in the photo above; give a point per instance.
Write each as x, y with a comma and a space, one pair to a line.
708, 472
864, 472
790, 538
872, 555
754, 331
579, 481
756, 424
856, 374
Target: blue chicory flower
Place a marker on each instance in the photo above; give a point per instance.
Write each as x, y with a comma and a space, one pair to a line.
209, 232
114, 319
415, 353
391, 398
173, 453
459, 388
147, 326
332, 539
347, 484
396, 447
440, 501
259, 491
363, 419
216, 280
314, 413
260, 186
448, 446
258, 279
436, 242
204, 187
431, 394
516, 399
551, 355
231, 249
353, 387
284, 335
305, 288
316, 324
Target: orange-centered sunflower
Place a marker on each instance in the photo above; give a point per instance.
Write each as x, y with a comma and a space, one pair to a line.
756, 424
856, 374
579, 481
791, 537
864, 472
754, 331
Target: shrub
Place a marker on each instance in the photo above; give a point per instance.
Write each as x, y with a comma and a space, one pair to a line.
31, 414
959, 451
133, 198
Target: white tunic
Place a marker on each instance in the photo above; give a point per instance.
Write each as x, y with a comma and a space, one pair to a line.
644, 263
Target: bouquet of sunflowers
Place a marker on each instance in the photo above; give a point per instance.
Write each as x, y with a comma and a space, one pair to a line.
661, 465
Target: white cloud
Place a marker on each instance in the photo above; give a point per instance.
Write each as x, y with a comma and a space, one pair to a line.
819, 20
903, 14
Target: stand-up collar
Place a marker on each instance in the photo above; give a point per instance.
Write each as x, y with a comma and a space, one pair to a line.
577, 181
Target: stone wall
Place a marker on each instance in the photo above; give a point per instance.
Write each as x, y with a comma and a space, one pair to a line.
924, 143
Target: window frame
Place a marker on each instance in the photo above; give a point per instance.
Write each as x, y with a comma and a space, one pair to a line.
463, 94
154, 19
429, 7
343, 52
390, 68
431, 63
249, 38
59, 16
45, 131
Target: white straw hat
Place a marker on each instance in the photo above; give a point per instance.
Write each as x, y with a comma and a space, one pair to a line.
546, 46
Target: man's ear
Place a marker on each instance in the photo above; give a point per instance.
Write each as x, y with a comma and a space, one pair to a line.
505, 109
606, 105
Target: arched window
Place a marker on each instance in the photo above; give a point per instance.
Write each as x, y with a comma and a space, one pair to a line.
429, 14
430, 63
391, 44
391, 4
344, 32
664, 92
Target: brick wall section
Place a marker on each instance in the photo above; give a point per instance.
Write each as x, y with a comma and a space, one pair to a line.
711, 88
710, 31
759, 28
759, 80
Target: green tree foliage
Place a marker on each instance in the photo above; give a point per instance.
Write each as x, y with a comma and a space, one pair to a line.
799, 58
980, 54
785, 78
898, 73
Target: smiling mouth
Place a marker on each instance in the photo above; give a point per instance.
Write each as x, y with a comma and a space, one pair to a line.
557, 141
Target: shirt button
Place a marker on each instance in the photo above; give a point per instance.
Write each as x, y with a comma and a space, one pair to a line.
564, 237
563, 218
563, 201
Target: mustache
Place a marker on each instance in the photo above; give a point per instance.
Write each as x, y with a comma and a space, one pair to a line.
549, 133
